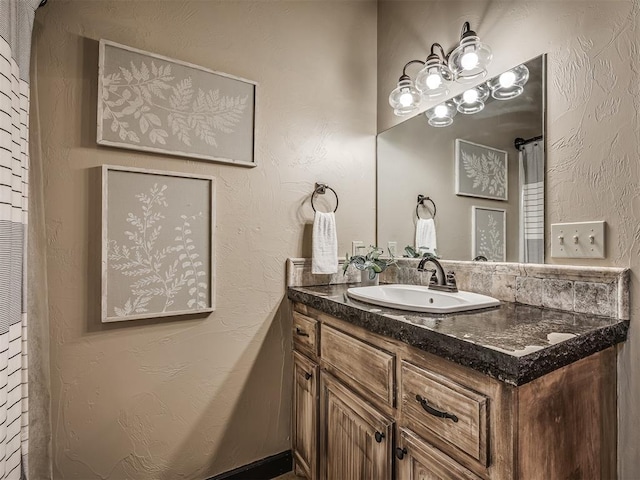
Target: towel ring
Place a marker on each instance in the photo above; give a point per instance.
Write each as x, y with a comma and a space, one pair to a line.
421, 200
321, 189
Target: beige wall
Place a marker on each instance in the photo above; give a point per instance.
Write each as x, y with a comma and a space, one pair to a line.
190, 398
593, 133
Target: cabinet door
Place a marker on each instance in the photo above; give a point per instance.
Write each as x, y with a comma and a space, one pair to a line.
305, 416
356, 440
417, 460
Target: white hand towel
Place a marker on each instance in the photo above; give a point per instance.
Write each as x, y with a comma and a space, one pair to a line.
324, 252
426, 235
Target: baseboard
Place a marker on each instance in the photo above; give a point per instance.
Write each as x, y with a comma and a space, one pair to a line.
264, 469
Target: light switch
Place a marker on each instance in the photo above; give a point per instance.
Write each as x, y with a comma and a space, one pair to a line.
578, 240
392, 248
357, 247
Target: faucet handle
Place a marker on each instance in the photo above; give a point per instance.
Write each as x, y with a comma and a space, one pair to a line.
434, 277
451, 278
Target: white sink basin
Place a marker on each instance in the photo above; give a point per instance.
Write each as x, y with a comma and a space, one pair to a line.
417, 298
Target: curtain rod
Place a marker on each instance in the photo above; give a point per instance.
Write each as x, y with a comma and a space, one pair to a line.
519, 142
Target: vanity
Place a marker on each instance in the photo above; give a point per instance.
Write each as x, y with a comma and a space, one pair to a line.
512, 392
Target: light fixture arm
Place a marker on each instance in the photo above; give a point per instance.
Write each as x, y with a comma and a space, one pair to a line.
466, 27
404, 70
443, 55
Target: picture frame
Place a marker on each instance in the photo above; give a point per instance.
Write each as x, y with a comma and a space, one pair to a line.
158, 243
488, 233
481, 171
158, 104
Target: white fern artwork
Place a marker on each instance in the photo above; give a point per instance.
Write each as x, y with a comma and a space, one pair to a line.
489, 234
481, 171
157, 251
150, 102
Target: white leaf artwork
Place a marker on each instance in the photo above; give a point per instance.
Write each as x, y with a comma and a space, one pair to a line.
489, 233
157, 272
154, 252
150, 102
490, 241
481, 171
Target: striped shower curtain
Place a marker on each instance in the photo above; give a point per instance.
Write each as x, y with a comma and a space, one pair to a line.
532, 202
16, 22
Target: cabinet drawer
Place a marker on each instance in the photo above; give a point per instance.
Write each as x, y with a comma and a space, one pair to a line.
305, 334
418, 460
447, 414
367, 369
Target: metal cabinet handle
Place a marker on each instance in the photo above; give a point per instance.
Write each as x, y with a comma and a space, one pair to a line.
301, 333
432, 411
379, 436
307, 375
400, 453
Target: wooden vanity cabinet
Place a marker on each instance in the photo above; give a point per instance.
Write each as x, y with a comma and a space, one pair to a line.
305, 418
374, 409
355, 439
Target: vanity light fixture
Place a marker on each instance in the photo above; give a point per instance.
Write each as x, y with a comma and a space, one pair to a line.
469, 60
509, 84
472, 100
405, 98
434, 78
466, 63
441, 115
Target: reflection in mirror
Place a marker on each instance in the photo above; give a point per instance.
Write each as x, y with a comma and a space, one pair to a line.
415, 159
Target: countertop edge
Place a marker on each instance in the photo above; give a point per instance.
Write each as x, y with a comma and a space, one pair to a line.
509, 369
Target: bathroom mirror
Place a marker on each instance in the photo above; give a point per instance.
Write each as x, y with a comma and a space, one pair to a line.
414, 158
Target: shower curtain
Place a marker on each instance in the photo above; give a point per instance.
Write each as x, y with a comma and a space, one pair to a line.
531, 160
16, 23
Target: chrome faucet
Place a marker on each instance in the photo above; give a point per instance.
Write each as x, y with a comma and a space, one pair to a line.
443, 282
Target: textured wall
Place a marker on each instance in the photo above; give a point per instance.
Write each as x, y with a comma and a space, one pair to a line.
189, 398
593, 132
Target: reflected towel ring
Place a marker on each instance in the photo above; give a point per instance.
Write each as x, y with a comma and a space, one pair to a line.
421, 200
321, 189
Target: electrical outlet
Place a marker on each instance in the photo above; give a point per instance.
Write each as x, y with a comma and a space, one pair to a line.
577, 240
392, 248
357, 247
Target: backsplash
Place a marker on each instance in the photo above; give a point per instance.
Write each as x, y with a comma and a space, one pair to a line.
595, 290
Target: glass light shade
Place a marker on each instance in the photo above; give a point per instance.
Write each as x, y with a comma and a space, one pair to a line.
441, 115
510, 84
434, 78
472, 100
469, 61
405, 98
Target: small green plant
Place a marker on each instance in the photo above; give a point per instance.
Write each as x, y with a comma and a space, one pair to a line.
411, 252
370, 262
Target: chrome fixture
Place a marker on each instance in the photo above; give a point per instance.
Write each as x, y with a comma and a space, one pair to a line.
405, 98
434, 78
509, 84
321, 189
442, 282
442, 115
466, 63
472, 100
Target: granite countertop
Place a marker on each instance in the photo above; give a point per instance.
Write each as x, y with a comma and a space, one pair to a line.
513, 343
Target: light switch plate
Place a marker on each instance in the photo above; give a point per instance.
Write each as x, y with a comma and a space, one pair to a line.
578, 240
357, 247
392, 248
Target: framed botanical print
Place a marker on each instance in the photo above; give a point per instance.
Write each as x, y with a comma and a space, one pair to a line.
481, 171
158, 238
488, 232
158, 104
